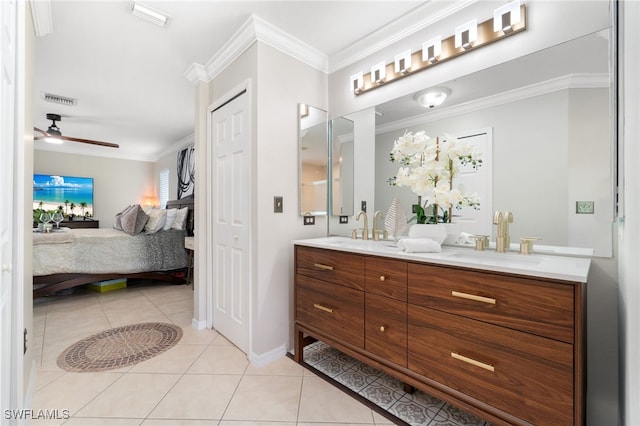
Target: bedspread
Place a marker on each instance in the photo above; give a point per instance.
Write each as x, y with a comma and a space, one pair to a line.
104, 250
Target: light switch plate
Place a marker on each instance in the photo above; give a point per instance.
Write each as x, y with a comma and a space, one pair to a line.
363, 206
277, 204
584, 207
344, 219
309, 220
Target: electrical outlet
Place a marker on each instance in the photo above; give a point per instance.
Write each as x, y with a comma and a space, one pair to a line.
584, 207
309, 220
344, 219
363, 206
277, 204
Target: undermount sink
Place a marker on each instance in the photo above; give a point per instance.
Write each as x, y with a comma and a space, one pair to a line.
492, 257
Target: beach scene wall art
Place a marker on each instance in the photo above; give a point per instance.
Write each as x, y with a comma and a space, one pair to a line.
74, 194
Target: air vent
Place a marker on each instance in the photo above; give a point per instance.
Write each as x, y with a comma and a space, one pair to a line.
57, 99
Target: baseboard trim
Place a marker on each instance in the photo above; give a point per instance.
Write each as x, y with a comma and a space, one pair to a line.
260, 360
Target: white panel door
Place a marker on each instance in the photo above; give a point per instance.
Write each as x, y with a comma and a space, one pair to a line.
476, 181
7, 138
231, 196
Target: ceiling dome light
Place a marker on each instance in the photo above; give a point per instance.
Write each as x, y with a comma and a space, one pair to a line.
433, 97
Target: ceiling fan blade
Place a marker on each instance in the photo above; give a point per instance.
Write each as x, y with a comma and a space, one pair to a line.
71, 139
90, 141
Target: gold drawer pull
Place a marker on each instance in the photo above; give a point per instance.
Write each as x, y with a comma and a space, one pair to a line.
473, 297
472, 361
382, 328
323, 267
322, 308
382, 278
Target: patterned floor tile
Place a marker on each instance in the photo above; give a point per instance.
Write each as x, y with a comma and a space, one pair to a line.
459, 417
387, 392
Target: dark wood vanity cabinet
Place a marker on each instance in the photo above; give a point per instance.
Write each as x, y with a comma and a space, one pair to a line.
507, 348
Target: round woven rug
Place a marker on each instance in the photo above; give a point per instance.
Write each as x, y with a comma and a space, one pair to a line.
119, 347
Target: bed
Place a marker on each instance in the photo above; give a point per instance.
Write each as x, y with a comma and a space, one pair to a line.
74, 257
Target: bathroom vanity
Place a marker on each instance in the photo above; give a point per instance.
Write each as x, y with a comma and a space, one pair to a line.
500, 335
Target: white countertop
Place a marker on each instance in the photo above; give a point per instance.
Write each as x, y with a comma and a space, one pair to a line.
566, 268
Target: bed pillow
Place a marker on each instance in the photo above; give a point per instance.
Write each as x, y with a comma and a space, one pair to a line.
133, 220
156, 221
171, 217
181, 219
118, 223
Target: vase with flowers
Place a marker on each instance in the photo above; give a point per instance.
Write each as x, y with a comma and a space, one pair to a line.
428, 167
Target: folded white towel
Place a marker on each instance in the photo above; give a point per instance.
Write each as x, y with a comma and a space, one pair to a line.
419, 245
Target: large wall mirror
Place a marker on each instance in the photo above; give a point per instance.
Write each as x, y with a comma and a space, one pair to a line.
551, 124
313, 160
342, 162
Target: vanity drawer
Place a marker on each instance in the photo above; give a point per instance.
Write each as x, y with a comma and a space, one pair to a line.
526, 375
330, 308
386, 328
386, 277
538, 307
338, 267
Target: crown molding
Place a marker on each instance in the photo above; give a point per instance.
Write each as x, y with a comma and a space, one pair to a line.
185, 142
570, 81
42, 18
417, 20
257, 29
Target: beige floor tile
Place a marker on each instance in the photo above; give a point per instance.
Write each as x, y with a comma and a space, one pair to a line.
133, 396
322, 402
254, 423
265, 398
335, 424
168, 307
88, 421
381, 420
191, 336
177, 360
183, 319
220, 360
179, 422
284, 366
72, 391
43, 378
197, 397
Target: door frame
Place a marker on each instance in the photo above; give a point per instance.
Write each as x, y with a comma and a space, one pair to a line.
206, 258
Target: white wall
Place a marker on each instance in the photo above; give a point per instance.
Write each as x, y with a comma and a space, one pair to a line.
629, 224
117, 183
277, 84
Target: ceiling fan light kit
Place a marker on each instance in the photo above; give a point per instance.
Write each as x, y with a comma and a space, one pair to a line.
54, 135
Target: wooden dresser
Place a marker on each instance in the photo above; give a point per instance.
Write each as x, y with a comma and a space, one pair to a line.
75, 224
508, 348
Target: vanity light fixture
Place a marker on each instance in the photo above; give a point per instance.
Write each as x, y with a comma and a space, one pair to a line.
357, 82
506, 21
432, 49
466, 34
506, 17
402, 63
150, 14
432, 97
378, 73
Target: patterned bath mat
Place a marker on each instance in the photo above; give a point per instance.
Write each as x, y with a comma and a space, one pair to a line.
119, 347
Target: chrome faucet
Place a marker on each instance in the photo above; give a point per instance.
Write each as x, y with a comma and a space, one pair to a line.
376, 232
365, 229
502, 219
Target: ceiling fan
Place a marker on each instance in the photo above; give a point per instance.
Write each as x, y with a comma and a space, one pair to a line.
54, 135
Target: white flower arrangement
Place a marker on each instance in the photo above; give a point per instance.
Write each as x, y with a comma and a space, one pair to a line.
428, 167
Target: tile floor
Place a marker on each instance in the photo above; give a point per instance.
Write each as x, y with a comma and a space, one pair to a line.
204, 379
